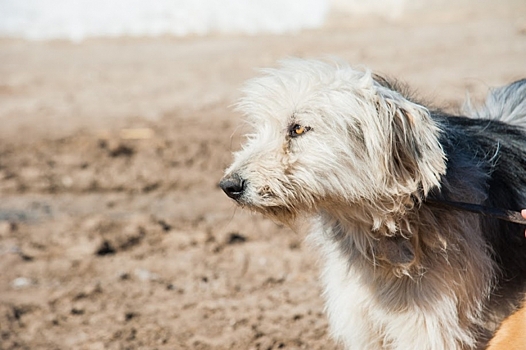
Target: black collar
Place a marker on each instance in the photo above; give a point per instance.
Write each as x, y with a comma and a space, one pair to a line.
499, 213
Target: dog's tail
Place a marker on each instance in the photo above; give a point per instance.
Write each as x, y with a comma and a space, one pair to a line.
506, 104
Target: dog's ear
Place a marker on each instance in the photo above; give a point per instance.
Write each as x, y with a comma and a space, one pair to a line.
415, 156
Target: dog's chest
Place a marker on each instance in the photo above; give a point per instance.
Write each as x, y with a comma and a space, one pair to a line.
360, 318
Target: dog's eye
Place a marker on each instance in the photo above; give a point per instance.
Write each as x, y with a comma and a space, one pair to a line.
296, 130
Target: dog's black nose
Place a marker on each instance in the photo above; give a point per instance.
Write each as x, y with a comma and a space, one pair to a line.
233, 186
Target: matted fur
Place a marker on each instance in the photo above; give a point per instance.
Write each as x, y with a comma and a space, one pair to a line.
352, 152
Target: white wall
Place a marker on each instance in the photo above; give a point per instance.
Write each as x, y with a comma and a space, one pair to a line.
78, 19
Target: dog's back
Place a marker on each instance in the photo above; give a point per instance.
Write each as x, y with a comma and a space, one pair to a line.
487, 165
508, 104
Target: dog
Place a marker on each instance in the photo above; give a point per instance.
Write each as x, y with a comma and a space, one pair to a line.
365, 164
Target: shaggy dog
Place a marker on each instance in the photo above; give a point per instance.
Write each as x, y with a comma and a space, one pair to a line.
367, 165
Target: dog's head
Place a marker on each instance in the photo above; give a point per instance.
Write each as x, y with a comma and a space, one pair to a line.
324, 135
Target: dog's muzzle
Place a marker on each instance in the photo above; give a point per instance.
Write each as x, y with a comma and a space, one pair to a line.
233, 186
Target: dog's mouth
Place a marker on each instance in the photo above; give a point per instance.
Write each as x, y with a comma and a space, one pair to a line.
262, 200
275, 205
240, 190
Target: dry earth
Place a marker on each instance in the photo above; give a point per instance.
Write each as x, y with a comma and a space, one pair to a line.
112, 242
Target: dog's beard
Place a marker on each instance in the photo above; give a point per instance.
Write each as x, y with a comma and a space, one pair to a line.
281, 214
276, 211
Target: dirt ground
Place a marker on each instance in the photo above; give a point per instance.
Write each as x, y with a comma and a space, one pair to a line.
112, 238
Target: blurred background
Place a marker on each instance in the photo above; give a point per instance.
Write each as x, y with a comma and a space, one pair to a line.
115, 127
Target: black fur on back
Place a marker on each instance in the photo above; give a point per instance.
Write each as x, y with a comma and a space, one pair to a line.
486, 164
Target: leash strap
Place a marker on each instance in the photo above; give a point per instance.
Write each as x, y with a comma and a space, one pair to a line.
502, 214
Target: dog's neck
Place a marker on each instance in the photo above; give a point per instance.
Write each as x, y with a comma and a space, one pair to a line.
385, 242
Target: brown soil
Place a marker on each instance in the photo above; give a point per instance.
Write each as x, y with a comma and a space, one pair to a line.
108, 242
